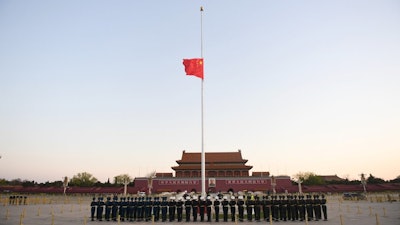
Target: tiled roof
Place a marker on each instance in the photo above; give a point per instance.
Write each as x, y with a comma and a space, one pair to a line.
330, 177
212, 157
212, 167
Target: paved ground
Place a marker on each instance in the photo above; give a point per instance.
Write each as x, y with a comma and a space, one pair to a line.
57, 210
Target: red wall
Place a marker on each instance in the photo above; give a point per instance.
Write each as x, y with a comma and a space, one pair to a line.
222, 184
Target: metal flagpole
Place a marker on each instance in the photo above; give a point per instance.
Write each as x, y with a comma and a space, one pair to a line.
203, 157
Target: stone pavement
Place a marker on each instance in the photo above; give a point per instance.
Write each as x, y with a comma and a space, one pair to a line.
76, 211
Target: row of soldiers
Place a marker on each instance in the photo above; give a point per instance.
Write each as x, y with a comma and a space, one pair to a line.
17, 200
276, 207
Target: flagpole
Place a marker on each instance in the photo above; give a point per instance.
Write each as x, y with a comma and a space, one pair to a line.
203, 164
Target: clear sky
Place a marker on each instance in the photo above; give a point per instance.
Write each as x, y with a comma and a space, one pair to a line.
298, 86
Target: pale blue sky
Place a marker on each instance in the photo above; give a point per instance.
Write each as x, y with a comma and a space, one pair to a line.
99, 86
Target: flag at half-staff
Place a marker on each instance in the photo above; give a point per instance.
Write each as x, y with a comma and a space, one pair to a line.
194, 67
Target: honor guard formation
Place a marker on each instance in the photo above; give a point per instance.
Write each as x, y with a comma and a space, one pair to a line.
17, 200
218, 208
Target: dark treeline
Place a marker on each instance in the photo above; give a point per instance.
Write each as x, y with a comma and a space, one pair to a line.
77, 182
27, 183
317, 180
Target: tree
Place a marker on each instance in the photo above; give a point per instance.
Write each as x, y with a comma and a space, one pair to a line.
3, 181
122, 178
83, 179
374, 180
57, 183
309, 178
314, 180
395, 180
16, 182
27, 183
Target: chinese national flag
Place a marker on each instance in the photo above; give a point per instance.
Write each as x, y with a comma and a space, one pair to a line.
194, 67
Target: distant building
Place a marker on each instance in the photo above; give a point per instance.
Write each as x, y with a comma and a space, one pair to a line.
328, 178
225, 171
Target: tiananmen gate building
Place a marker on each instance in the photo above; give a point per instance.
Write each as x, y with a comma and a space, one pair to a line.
224, 171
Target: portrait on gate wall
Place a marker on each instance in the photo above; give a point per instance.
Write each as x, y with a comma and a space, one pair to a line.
211, 182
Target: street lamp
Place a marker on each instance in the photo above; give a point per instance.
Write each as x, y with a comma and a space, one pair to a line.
299, 181
364, 182
273, 184
65, 184
125, 183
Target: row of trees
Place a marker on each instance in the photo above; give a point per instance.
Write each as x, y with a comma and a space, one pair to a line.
86, 179
309, 178
83, 179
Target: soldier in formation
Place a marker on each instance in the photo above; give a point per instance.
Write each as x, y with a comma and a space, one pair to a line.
202, 208
122, 209
301, 204
240, 204
114, 208
257, 208
100, 209
232, 204
108, 205
225, 205
156, 209
195, 207
323, 206
249, 207
216, 208
171, 209
266, 206
148, 208
283, 208
188, 208
209, 204
179, 209
309, 208
93, 205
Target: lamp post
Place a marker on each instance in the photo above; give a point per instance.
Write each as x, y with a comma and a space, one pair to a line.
299, 182
125, 183
65, 185
150, 178
364, 183
273, 184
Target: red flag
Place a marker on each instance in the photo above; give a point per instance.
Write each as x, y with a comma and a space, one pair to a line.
194, 67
